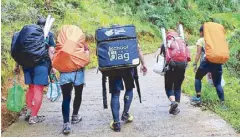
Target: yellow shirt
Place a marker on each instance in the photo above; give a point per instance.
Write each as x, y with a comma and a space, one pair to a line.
201, 43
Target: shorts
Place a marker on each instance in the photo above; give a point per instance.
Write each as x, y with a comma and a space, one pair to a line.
174, 78
77, 78
37, 75
116, 82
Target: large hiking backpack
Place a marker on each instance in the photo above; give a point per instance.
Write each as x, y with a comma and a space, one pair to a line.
28, 46
117, 48
70, 54
216, 46
177, 53
14, 40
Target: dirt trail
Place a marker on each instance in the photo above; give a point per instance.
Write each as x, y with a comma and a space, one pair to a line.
151, 118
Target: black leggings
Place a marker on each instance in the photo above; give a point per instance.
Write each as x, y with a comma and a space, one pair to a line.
173, 82
66, 92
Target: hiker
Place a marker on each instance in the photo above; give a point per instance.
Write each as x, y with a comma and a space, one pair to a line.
175, 68
206, 66
115, 86
37, 77
119, 55
70, 59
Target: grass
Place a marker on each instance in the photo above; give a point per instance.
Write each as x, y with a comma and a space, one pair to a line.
210, 98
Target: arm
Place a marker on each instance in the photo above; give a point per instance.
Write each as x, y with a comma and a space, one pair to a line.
197, 57
51, 51
86, 49
198, 54
51, 43
141, 56
143, 67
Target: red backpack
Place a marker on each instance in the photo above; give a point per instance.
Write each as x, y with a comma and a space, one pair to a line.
177, 52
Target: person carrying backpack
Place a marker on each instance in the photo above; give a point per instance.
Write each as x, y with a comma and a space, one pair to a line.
115, 86
177, 57
119, 55
37, 77
72, 55
215, 53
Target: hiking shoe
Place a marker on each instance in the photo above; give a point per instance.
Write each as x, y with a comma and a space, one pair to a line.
223, 106
66, 128
115, 126
174, 105
196, 101
36, 119
76, 119
127, 117
176, 111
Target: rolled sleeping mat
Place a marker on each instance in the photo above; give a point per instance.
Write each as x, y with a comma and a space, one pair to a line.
180, 31
163, 31
46, 26
50, 24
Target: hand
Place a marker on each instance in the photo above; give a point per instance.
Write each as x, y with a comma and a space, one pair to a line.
195, 68
54, 71
143, 69
17, 69
47, 40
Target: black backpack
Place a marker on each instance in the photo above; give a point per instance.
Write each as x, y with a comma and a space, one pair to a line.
28, 46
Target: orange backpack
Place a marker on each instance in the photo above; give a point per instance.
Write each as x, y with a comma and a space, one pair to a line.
70, 54
216, 46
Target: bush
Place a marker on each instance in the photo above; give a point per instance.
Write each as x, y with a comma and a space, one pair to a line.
234, 61
210, 97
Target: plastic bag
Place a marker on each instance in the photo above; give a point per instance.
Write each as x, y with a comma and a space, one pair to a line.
54, 89
210, 81
158, 67
16, 97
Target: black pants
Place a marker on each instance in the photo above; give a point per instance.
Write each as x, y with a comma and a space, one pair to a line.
173, 82
67, 91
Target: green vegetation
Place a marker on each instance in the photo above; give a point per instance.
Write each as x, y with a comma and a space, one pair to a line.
192, 13
89, 15
210, 98
148, 16
231, 74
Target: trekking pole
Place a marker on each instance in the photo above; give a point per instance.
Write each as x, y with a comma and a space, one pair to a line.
104, 92
137, 84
